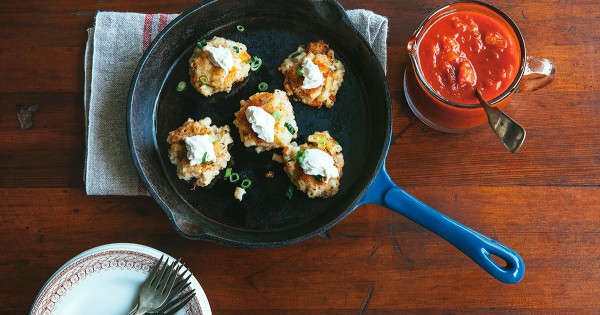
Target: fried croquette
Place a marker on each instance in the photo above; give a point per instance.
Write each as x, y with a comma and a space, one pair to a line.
217, 65
313, 74
320, 178
205, 170
273, 123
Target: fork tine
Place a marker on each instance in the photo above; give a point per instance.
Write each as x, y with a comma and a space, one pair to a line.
179, 277
154, 271
177, 304
177, 300
167, 285
160, 273
182, 284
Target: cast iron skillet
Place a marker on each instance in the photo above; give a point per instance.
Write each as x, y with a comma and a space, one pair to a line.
361, 121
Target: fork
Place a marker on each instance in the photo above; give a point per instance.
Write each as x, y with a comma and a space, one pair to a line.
175, 305
157, 289
180, 285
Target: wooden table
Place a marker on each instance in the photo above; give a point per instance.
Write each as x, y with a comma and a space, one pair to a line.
544, 201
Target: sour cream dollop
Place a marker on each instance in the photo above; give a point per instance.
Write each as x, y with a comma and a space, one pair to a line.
312, 75
197, 147
317, 162
220, 57
262, 123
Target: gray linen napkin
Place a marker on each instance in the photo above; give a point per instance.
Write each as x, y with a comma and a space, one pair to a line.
114, 48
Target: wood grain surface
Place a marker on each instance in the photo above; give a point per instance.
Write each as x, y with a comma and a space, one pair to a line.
544, 201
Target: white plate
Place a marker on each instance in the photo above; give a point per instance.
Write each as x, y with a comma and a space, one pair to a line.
105, 280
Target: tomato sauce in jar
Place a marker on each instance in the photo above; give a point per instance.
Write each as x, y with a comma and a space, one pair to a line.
463, 51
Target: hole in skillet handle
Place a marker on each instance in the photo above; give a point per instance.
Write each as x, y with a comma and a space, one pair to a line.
499, 261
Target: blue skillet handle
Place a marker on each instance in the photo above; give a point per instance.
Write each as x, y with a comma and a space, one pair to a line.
478, 247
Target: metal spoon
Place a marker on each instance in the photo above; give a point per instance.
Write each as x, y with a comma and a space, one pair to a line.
510, 133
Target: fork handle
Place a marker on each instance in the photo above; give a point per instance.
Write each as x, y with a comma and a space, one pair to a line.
134, 309
142, 311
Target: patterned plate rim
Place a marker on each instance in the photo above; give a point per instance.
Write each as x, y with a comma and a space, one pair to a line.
117, 256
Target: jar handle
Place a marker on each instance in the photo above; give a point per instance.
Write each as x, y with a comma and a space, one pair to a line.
538, 73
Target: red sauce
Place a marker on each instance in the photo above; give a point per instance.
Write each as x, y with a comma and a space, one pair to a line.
467, 50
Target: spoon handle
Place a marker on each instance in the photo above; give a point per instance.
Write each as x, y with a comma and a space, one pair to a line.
510, 133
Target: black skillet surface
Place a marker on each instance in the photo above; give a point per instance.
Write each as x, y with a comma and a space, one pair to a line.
360, 121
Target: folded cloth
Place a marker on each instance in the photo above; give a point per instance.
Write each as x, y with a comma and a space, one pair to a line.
114, 48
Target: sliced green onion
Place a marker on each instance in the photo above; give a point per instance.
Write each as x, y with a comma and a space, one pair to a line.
240, 28
294, 55
236, 49
289, 127
234, 177
319, 178
203, 79
262, 86
299, 72
202, 43
180, 86
246, 183
255, 63
276, 114
300, 156
204, 158
289, 192
321, 142
228, 172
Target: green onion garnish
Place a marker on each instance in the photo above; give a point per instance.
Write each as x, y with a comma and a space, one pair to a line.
262, 86
202, 43
319, 178
203, 79
228, 172
204, 158
236, 49
299, 72
321, 142
240, 28
180, 86
290, 128
289, 192
255, 63
246, 183
300, 156
294, 55
276, 114
234, 177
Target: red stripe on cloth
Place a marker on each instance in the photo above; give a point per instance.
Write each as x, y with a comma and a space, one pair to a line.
162, 22
147, 32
